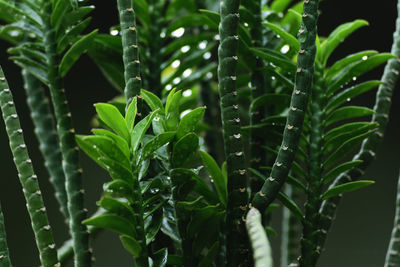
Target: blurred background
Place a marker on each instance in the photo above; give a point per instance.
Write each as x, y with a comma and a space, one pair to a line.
361, 232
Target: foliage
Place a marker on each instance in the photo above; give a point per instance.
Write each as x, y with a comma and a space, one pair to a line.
173, 197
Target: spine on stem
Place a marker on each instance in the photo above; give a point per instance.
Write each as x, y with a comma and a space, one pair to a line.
69, 148
46, 134
4, 254
33, 196
370, 145
298, 107
133, 80
237, 251
393, 252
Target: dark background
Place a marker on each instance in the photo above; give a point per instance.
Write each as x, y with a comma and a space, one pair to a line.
360, 235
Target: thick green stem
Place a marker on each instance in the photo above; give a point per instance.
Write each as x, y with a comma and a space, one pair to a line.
4, 254
237, 251
309, 249
69, 149
393, 252
33, 196
370, 145
45, 130
298, 107
133, 80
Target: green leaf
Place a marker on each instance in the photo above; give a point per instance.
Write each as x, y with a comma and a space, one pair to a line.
338, 36
345, 128
111, 116
348, 112
335, 172
119, 141
189, 122
69, 37
58, 14
131, 245
216, 174
344, 188
275, 58
287, 37
345, 148
184, 41
114, 223
140, 129
76, 50
119, 188
8, 12
210, 256
74, 3
355, 70
152, 100
172, 110
291, 205
349, 93
130, 115
152, 226
184, 148
33, 67
117, 207
280, 5
155, 143
344, 62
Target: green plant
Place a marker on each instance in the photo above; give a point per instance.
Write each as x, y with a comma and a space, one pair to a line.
173, 197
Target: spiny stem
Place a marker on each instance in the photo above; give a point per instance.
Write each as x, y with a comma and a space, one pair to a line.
33, 196
45, 130
133, 80
393, 252
237, 251
69, 149
309, 250
298, 107
4, 254
370, 145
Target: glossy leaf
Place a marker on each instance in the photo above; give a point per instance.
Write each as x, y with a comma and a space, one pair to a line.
140, 129
114, 223
111, 116
117, 207
72, 34
344, 188
172, 110
210, 256
152, 100
287, 37
130, 115
291, 205
275, 58
160, 258
119, 141
345, 128
184, 148
131, 245
269, 99
155, 143
189, 122
335, 172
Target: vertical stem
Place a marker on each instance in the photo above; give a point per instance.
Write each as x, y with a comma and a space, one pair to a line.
298, 107
46, 134
393, 252
237, 251
133, 81
4, 254
370, 145
309, 249
69, 149
33, 195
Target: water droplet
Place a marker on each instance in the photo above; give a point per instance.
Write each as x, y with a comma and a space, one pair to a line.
187, 93
203, 45
364, 57
207, 55
156, 118
185, 113
162, 34
176, 64
176, 80
186, 73
185, 48
348, 99
285, 49
211, 180
114, 32
273, 78
354, 78
168, 87
154, 190
209, 75
178, 32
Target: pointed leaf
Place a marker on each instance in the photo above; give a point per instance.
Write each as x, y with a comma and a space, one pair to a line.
114, 223
76, 50
184, 148
291, 205
344, 188
335, 172
216, 174
140, 129
269, 99
345, 128
117, 207
275, 58
155, 143
160, 258
130, 115
73, 33
287, 37
111, 116
349, 112
152, 100
209, 258
119, 141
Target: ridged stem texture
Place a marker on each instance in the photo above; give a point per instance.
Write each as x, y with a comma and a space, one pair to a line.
393, 252
298, 107
69, 148
370, 145
237, 251
133, 80
291, 232
33, 196
4, 254
257, 153
46, 133
309, 249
